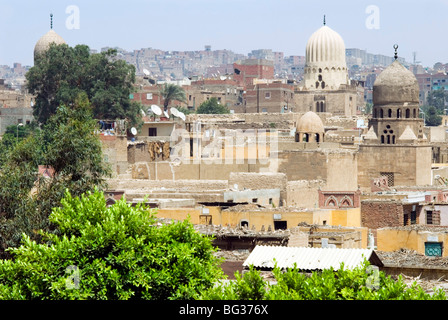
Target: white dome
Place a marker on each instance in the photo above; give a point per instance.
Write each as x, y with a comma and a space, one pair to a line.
44, 42
325, 60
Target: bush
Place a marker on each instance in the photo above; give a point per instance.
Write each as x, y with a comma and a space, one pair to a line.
116, 252
328, 284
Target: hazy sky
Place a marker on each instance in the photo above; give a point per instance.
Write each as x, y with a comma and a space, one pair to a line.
237, 25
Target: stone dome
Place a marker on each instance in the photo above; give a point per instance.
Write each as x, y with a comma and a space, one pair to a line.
395, 85
310, 122
325, 60
44, 42
326, 46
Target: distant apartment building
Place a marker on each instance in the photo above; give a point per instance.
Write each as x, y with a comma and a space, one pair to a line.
226, 91
246, 71
268, 96
428, 82
369, 59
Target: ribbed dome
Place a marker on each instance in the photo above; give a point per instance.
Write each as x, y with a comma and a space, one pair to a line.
310, 122
325, 66
395, 84
327, 46
44, 42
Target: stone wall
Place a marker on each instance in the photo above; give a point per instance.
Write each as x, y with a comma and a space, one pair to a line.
255, 181
304, 193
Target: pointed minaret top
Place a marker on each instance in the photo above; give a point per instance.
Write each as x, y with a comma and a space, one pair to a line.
324, 20
51, 21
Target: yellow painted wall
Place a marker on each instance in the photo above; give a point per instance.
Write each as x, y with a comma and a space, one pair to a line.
339, 217
393, 239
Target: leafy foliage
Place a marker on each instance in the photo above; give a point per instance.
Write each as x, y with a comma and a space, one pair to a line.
212, 106
62, 73
119, 251
171, 92
436, 99
328, 284
432, 116
67, 144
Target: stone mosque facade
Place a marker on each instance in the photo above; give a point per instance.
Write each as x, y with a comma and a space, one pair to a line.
326, 86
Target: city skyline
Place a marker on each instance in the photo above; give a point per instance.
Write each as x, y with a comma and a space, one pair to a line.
240, 26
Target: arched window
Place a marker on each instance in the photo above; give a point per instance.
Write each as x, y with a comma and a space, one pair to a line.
320, 77
305, 137
323, 84
388, 139
317, 107
322, 107
408, 113
317, 137
317, 84
414, 114
382, 139
389, 112
381, 113
398, 113
393, 139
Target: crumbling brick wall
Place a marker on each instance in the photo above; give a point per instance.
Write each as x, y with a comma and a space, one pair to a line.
380, 214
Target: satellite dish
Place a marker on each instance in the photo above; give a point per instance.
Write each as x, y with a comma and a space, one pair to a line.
143, 112
134, 131
156, 109
182, 116
146, 72
174, 112
166, 114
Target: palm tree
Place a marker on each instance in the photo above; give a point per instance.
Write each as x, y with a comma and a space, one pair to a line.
171, 92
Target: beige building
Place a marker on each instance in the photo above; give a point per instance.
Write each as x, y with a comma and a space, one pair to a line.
326, 86
395, 145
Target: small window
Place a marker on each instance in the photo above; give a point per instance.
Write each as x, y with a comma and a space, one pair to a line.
254, 200
267, 95
429, 219
433, 249
244, 224
152, 132
149, 96
280, 225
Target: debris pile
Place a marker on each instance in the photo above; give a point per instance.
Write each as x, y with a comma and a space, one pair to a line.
410, 258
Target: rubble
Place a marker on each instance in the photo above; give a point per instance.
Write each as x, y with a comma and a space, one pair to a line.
411, 258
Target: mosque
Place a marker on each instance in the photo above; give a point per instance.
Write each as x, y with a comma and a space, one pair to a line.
326, 86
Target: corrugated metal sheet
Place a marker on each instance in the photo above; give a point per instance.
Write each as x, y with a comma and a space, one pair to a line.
308, 258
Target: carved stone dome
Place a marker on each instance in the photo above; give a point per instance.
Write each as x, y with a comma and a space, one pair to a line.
44, 42
395, 85
325, 60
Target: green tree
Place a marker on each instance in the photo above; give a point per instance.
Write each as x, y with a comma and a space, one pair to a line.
171, 92
68, 145
436, 99
118, 252
212, 106
63, 72
432, 117
328, 284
